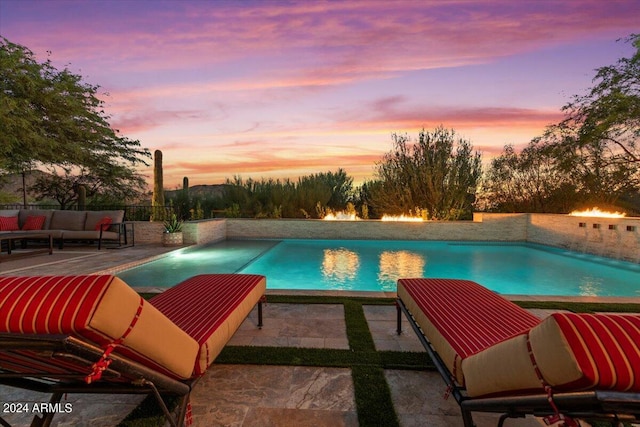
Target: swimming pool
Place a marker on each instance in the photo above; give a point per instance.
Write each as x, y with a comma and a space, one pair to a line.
375, 265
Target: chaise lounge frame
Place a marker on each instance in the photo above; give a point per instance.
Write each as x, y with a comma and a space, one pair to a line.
122, 376
142, 380
611, 406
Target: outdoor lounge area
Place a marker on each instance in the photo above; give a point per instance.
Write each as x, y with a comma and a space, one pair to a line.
254, 382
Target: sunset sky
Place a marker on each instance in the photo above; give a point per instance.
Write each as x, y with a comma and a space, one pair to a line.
274, 89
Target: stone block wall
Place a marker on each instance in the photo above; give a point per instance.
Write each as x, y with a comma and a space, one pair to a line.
502, 227
148, 231
610, 237
615, 238
204, 231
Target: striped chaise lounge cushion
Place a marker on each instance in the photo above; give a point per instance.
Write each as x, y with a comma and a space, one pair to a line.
100, 309
494, 347
179, 332
461, 318
224, 300
571, 352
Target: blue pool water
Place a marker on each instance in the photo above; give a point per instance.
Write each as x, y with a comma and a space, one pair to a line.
374, 265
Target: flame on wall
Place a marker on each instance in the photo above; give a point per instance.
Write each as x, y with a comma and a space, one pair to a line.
341, 216
595, 212
401, 218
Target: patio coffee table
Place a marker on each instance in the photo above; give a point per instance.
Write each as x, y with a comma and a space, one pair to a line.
10, 237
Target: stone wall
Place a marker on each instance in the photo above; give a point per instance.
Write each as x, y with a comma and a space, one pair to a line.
616, 238
503, 227
148, 231
204, 231
195, 232
610, 237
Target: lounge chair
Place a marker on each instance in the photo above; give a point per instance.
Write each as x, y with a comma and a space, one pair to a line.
496, 357
94, 334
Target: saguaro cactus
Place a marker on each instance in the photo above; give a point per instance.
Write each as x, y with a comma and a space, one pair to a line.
157, 203
82, 197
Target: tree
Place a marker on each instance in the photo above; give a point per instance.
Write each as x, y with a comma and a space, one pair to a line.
309, 197
592, 157
50, 118
598, 142
438, 172
608, 116
529, 181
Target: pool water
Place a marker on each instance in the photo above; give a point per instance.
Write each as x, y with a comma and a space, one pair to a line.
375, 265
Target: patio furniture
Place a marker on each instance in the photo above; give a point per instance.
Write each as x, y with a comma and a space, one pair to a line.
10, 237
496, 357
67, 225
95, 334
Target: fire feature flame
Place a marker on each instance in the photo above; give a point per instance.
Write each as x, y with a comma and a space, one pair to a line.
595, 212
341, 216
403, 218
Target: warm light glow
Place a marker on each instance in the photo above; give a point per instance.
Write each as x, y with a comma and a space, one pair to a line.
340, 264
595, 212
401, 218
397, 264
341, 216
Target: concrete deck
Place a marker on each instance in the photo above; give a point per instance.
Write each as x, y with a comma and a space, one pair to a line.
252, 395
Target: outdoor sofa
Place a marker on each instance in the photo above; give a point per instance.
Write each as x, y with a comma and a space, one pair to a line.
64, 225
496, 357
95, 334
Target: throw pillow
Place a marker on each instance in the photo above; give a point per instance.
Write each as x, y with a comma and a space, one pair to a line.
104, 223
9, 223
34, 222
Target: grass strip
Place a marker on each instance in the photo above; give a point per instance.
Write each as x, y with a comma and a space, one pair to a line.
360, 339
330, 299
294, 356
373, 397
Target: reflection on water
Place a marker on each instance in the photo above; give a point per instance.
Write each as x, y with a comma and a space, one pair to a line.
397, 264
590, 286
340, 264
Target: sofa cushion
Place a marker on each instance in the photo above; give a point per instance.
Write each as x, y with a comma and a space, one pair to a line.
9, 212
25, 213
9, 223
100, 309
34, 222
103, 224
68, 220
95, 217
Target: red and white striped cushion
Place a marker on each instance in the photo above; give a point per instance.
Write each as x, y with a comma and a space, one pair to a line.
462, 318
210, 308
100, 309
484, 340
589, 351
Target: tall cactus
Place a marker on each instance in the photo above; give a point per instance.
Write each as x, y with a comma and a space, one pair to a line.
82, 197
157, 203
185, 185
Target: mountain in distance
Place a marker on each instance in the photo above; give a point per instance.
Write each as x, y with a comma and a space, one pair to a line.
205, 191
